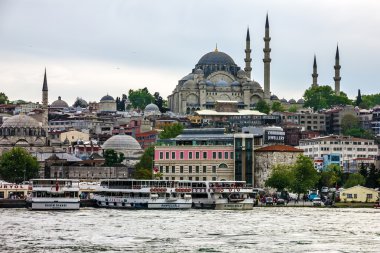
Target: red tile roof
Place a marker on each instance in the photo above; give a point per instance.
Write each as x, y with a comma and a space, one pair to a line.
279, 148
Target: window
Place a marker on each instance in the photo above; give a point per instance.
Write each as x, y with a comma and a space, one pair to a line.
213, 169
173, 178
225, 155
173, 169
204, 178
161, 155
355, 196
196, 155
369, 196
181, 169
204, 169
173, 155
196, 178
196, 169
190, 155
213, 155
220, 155
204, 155
161, 169
232, 155
180, 178
213, 178
190, 178
167, 155
349, 195
190, 169
167, 169
181, 155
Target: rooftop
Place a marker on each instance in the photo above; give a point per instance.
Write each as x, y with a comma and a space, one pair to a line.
279, 148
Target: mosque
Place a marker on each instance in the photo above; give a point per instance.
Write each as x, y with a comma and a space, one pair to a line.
216, 77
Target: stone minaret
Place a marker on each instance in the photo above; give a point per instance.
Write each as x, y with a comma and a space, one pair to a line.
337, 77
247, 58
267, 61
315, 74
45, 104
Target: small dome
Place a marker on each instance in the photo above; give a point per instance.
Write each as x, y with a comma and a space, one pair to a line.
292, 101
241, 74
198, 72
284, 100
300, 101
256, 85
189, 84
107, 98
121, 142
151, 107
21, 120
188, 77
273, 97
221, 83
235, 83
216, 58
209, 83
59, 103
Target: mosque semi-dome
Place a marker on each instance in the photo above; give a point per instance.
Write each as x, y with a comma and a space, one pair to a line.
59, 103
216, 58
107, 98
221, 83
21, 120
121, 142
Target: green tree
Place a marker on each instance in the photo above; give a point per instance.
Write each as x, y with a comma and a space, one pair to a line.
79, 102
144, 167
354, 179
373, 177
292, 108
280, 178
322, 97
160, 102
3, 98
171, 131
112, 158
140, 98
277, 107
305, 177
349, 121
18, 165
369, 101
263, 106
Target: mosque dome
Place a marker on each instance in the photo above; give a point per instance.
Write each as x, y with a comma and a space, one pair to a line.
283, 100
300, 101
121, 142
209, 83
199, 72
59, 103
107, 98
151, 108
292, 101
216, 58
273, 97
21, 120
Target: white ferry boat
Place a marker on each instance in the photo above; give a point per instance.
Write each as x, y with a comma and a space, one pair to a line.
151, 194
54, 194
222, 195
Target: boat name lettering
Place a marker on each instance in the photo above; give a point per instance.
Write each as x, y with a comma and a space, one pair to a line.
55, 205
169, 205
233, 205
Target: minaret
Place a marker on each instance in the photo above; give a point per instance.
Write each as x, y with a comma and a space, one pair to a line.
337, 77
267, 61
45, 104
315, 74
247, 58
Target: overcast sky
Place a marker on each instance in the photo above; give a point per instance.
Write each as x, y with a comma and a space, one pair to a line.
91, 48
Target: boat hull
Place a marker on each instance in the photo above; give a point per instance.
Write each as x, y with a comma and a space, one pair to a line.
138, 203
48, 205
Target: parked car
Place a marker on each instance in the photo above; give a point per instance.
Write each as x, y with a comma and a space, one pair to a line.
280, 202
317, 201
269, 201
325, 189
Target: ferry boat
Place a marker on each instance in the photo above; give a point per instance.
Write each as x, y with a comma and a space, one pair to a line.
54, 194
222, 195
151, 194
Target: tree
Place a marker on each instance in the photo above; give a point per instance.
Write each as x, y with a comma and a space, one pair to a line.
305, 177
18, 165
112, 158
292, 108
79, 102
263, 106
171, 131
158, 100
322, 97
144, 167
140, 98
277, 107
3, 98
280, 177
354, 179
351, 126
359, 99
373, 177
369, 101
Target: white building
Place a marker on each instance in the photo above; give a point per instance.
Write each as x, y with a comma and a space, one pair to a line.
348, 147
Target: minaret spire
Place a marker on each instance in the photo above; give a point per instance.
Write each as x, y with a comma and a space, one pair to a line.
267, 61
45, 86
45, 102
315, 73
337, 77
248, 58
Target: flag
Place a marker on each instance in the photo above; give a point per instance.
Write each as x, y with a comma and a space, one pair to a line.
155, 170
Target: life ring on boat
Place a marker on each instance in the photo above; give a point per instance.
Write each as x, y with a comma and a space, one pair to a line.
221, 190
163, 190
189, 190
151, 189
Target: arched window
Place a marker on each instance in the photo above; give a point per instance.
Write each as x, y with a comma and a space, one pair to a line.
223, 166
